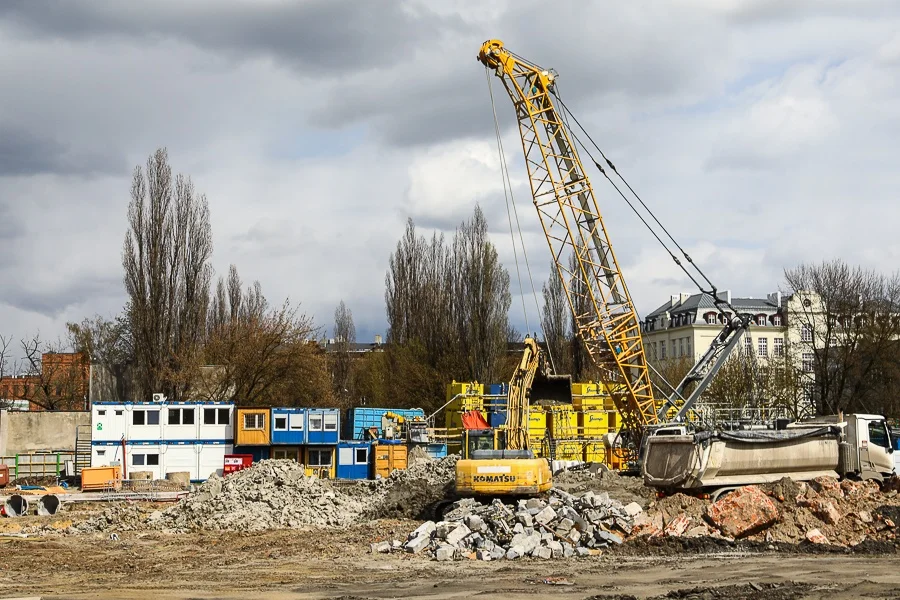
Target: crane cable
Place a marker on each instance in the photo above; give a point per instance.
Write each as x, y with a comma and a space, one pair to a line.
712, 288
508, 194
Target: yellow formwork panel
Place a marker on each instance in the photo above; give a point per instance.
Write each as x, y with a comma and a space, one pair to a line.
596, 452
570, 450
537, 422
456, 388
597, 422
563, 422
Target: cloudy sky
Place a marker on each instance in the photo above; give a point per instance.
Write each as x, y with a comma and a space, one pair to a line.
764, 133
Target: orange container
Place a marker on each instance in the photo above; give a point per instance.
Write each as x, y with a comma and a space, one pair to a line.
101, 478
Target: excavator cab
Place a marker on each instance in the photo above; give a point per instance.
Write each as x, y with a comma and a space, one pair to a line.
479, 440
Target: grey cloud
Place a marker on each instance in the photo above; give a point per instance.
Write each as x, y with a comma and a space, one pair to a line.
53, 302
320, 35
24, 153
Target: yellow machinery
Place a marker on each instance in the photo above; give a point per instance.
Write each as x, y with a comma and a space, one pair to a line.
498, 462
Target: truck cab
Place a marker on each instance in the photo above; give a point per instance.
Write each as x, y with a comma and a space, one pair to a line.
871, 446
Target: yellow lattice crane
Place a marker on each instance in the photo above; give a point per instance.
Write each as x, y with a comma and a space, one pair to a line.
605, 316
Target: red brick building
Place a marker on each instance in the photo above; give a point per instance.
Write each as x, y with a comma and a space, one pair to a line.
61, 385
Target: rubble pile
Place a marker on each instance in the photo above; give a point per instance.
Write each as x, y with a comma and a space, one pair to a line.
823, 511
413, 492
562, 526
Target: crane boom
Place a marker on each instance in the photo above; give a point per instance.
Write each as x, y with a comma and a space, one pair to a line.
605, 317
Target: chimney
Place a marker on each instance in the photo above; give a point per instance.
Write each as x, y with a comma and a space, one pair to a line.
684, 298
674, 300
725, 295
377, 340
775, 299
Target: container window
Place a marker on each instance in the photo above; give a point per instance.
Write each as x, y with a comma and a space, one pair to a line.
101, 452
174, 416
253, 421
281, 423
331, 422
319, 458
152, 417
101, 413
224, 418
187, 416
362, 456
138, 417
315, 422
153, 460
138, 459
209, 416
118, 413
285, 453
296, 421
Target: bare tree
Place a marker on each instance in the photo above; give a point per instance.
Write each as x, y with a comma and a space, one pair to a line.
482, 297
344, 337
846, 321
6, 394
107, 343
167, 276
57, 379
556, 322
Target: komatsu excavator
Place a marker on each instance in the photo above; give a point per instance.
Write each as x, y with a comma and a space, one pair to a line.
499, 462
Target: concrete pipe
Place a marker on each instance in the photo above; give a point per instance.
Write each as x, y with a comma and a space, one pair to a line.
16, 506
48, 505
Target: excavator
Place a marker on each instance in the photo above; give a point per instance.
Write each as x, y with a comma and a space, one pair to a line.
604, 314
498, 462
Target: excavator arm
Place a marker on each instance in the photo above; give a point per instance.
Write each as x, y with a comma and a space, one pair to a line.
605, 317
517, 401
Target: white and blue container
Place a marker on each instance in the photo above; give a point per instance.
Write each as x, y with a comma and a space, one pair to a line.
323, 426
353, 460
289, 426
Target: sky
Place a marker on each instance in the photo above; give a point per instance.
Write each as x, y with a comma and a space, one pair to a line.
763, 134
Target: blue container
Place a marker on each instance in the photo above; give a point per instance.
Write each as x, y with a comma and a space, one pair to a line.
323, 426
353, 460
361, 419
436, 450
496, 389
496, 418
257, 452
289, 426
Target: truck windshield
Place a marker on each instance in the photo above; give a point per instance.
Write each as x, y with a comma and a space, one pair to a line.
878, 434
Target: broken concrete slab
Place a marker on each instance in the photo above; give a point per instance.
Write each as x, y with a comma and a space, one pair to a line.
743, 512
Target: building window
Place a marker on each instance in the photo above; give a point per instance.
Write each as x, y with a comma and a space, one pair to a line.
662, 350
778, 347
748, 344
331, 422
710, 318
672, 348
181, 416
776, 320
362, 456
254, 421
808, 359
280, 423
806, 334
763, 346
319, 458
761, 320
687, 343
216, 416
315, 422
145, 417
680, 346
140, 460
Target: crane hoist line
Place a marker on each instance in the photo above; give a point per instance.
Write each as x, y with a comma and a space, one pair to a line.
572, 224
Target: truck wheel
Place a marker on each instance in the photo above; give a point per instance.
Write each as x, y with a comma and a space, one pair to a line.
720, 493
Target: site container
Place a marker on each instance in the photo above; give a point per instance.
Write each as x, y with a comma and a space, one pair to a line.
353, 460
388, 457
252, 427
500, 391
257, 452
594, 423
537, 422
287, 453
361, 419
216, 421
596, 452
323, 426
236, 462
496, 418
288, 426
162, 421
436, 451
319, 461
101, 478
108, 421
461, 398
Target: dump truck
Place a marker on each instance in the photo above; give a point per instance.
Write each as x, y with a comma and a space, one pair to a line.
857, 446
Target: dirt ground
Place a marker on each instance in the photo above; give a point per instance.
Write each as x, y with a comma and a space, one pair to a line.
335, 564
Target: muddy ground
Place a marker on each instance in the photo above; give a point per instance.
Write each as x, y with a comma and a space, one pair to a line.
336, 564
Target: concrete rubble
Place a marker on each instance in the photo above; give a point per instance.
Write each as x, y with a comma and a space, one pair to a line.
562, 526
